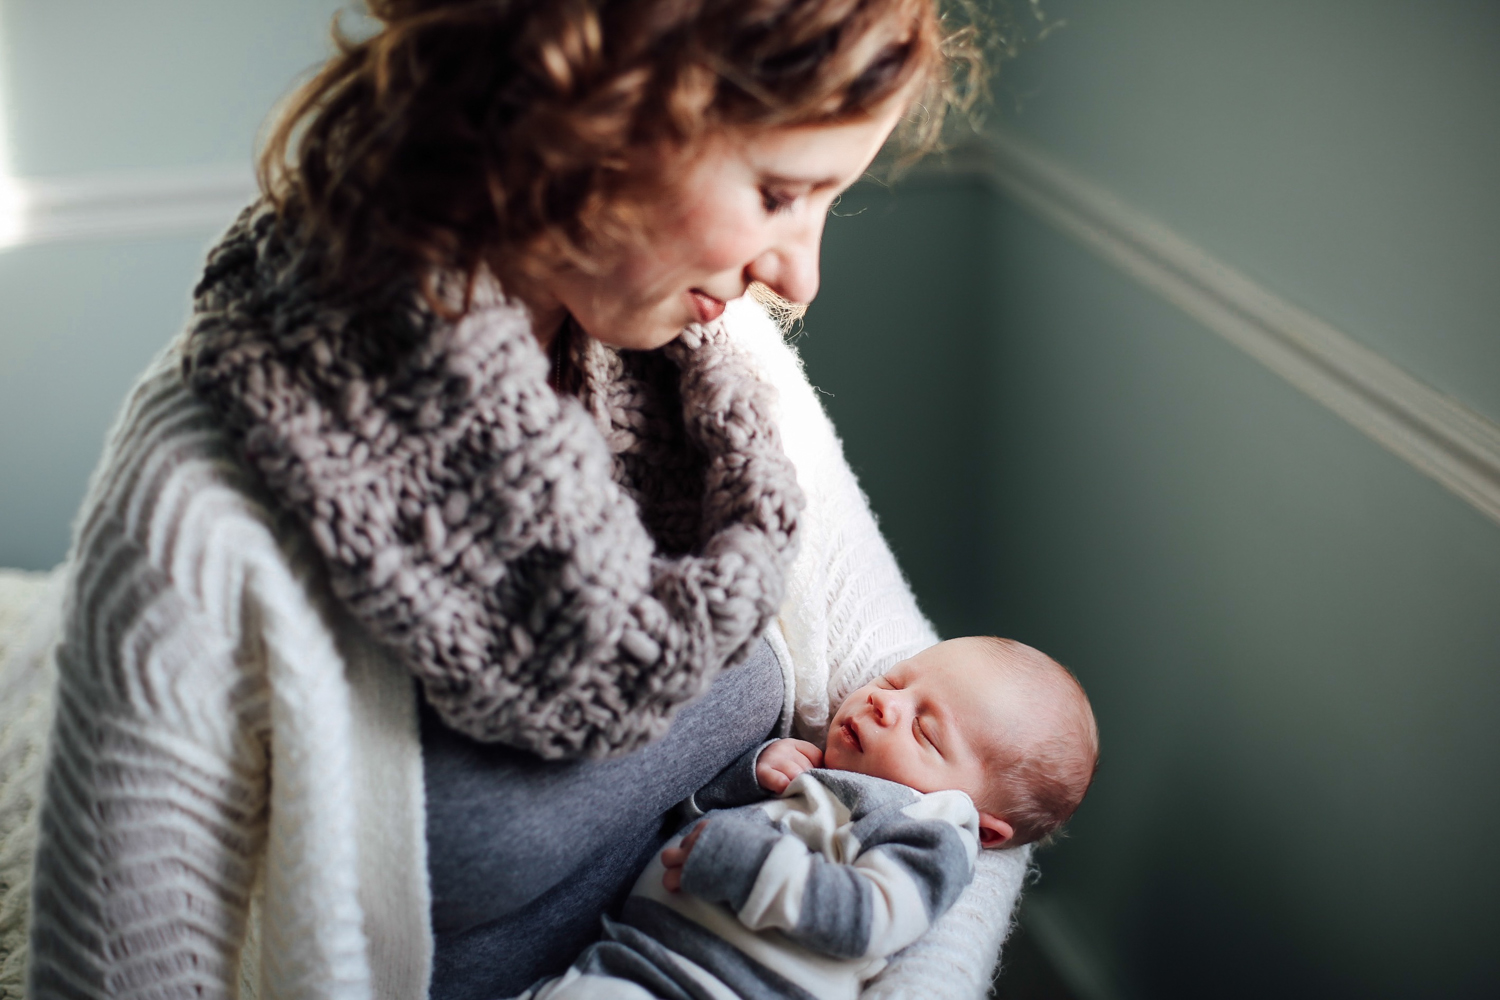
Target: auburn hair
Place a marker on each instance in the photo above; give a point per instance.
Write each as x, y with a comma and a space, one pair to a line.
502, 133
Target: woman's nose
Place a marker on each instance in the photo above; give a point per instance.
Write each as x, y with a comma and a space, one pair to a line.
790, 268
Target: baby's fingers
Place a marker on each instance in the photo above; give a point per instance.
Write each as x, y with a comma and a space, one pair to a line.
773, 779
673, 858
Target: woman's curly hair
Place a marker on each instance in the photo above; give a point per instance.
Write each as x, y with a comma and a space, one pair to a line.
502, 133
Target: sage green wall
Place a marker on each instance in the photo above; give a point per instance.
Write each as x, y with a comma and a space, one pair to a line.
78, 322
897, 341
1289, 635
101, 86
1291, 641
1344, 152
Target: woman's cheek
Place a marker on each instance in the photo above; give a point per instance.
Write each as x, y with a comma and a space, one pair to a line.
724, 239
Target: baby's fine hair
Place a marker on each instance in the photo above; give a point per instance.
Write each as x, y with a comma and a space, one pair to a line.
1037, 786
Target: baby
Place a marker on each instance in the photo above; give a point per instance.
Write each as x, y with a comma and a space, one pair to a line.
972, 743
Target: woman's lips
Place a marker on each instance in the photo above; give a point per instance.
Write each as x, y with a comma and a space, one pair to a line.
707, 307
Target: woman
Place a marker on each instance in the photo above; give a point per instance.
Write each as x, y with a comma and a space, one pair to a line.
475, 396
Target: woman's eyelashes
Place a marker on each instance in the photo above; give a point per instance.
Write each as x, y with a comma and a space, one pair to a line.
776, 202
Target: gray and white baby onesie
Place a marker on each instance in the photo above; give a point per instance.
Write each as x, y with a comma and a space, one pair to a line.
802, 896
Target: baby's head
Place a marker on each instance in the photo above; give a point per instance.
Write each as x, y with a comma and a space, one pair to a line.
991, 717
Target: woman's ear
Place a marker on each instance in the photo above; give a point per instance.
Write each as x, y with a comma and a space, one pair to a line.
994, 831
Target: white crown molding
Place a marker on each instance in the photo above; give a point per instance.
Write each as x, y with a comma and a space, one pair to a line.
1437, 434
121, 206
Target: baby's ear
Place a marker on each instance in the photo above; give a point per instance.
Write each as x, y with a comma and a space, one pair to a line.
994, 831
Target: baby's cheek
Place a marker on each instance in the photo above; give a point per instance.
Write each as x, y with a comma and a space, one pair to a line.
883, 762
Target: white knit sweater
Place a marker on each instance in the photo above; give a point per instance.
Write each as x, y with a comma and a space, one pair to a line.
233, 797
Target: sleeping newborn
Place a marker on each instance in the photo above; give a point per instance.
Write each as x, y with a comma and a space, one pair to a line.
973, 743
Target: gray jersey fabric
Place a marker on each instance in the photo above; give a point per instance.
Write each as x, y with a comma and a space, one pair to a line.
525, 855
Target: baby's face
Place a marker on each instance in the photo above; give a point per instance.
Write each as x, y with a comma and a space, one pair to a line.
927, 723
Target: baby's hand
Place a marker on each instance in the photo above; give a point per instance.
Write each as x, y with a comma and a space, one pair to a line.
673, 858
782, 761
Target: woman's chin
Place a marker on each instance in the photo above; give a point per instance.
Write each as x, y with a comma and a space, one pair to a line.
643, 336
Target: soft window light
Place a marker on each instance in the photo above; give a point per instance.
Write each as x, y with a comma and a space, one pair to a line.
12, 194
12, 212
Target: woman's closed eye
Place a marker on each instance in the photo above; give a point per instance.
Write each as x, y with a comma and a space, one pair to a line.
776, 202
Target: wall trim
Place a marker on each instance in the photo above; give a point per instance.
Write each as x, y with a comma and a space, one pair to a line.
1433, 432
121, 206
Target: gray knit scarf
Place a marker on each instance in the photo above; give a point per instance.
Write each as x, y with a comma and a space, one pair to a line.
562, 576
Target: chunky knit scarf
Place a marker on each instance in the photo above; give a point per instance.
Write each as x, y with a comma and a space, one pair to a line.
561, 576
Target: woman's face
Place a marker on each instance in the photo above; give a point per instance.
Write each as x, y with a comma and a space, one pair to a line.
748, 207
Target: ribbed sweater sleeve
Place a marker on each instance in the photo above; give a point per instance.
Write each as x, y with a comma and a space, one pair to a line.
169, 776
29, 607
154, 810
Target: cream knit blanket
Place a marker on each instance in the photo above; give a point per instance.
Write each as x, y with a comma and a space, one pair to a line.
29, 603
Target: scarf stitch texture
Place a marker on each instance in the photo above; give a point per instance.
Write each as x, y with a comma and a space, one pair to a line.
561, 576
